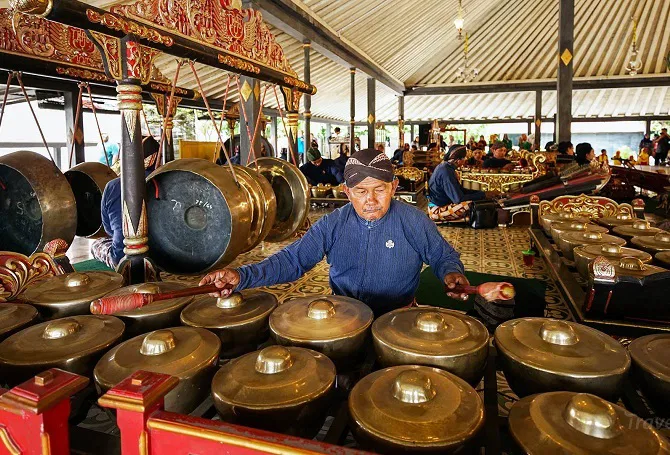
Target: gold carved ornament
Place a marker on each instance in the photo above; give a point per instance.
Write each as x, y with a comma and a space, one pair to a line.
592, 206
83, 74
18, 271
114, 22
239, 64
217, 24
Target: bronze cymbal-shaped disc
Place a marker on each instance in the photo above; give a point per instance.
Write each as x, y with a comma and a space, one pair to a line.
15, 316
292, 194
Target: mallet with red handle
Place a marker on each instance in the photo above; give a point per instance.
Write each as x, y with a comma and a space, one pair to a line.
118, 303
489, 291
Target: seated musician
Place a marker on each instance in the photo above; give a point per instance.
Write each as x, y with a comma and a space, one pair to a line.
643, 158
498, 160
449, 201
320, 170
375, 246
566, 153
109, 250
398, 154
584, 153
235, 159
477, 158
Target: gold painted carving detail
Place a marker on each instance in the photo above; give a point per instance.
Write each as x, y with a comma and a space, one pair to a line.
131, 28
592, 206
83, 74
239, 64
18, 271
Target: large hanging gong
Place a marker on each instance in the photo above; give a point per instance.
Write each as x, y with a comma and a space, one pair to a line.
36, 203
198, 217
88, 182
292, 193
269, 150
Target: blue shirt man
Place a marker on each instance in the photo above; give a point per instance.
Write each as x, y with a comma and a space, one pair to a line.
375, 246
444, 187
111, 150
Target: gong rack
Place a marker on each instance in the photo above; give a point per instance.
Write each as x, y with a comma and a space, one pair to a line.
40, 416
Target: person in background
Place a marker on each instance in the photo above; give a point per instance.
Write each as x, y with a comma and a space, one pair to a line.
415, 143
380, 147
448, 200
524, 144
111, 151
477, 158
617, 159
643, 157
507, 142
584, 153
452, 141
109, 250
472, 145
566, 153
603, 158
548, 145
443, 145
398, 154
375, 246
318, 170
646, 142
235, 159
482, 143
662, 147
498, 160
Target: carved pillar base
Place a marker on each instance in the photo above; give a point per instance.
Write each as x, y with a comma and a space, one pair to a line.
168, 143
136, 267
293, 134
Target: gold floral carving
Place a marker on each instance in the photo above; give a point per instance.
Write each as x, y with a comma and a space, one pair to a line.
135, 239
18, 271
294, 82
215, 23
592, 206
495, 182
83, 74
114, 22
111, 47
239, 64
167, 88
8, 442
40, 8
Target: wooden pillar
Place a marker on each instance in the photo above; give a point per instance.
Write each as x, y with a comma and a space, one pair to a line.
411, 139
250, 104
530, 128
647, 127
273, 134
401, 121
352, 111
538, 119
555, 128
73, 133
307, 47
372, 83
566, 25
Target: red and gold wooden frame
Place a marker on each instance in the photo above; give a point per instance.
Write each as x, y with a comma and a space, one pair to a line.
146, 428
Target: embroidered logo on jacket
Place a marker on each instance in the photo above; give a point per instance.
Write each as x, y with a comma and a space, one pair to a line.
390, 244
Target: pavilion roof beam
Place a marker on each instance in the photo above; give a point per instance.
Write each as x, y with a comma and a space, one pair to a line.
583, 83
297, 20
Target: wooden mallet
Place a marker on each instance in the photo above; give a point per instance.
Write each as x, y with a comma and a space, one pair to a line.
488, 291
118, 303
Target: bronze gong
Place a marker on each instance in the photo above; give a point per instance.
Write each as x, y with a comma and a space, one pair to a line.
36, 203
88, 181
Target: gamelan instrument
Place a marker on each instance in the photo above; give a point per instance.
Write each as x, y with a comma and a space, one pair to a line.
570, 240
415, 409
652, 244
585, 254
663, 258
544, 355
188, 353
621, 219
558, 423
240, 320
488, 291
158, 315
73, 344
558, 229
283, 389
639, 228
651, 368
70, 294
36, 203
269, 150
433, 337
628, 289
117, 303
14, 317
577, 185
335, 325
88, 181
548, 219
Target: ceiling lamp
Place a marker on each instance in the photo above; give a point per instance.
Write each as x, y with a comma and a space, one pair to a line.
459, 22
634, 65
465, 73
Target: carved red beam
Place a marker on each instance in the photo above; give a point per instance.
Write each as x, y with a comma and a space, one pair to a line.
34, 45
211, 32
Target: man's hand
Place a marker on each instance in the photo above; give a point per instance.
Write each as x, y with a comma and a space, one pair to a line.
222, 278
455, 279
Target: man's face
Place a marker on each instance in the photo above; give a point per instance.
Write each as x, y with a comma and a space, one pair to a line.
571, 151
500, 153
478, 154
591, 155
406, 147
371, 198
317, 162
